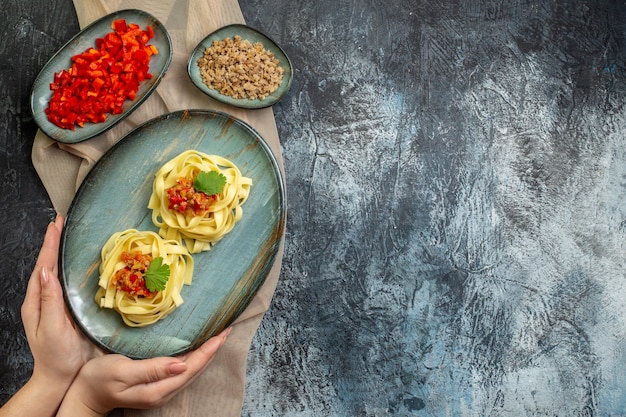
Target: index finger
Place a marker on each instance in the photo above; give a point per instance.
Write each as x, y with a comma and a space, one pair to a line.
49, 254
48, 257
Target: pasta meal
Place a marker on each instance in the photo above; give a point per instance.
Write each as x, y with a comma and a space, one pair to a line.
141, 276
196, 198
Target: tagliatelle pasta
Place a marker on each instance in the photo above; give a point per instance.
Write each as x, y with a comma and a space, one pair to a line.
183, 213
138, 306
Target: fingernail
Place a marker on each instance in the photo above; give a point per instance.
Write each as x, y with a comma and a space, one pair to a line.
177, 368
44, 276
226, 332
59, 222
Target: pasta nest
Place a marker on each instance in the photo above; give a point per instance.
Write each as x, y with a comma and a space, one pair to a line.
198, 233
138, 311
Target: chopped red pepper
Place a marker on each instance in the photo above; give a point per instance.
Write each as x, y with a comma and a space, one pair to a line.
184, 197
131, 277
101, 79
119, 25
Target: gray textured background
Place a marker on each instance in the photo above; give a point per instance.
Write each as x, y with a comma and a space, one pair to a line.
456, 228
455, 176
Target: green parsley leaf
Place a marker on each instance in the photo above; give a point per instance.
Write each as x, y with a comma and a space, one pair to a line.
157, 275
210, 183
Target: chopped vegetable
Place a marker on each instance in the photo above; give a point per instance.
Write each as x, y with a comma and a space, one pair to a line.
101, 79
197, 196
131, 277
157, 275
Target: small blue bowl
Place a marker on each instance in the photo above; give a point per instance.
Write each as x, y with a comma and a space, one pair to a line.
252, 35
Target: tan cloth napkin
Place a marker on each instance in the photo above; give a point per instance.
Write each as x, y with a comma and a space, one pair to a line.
219, 391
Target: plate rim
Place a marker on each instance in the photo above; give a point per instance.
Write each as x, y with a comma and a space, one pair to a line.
50, 131
279, 229
240, 103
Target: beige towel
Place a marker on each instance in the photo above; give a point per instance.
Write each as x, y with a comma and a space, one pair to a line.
219, 391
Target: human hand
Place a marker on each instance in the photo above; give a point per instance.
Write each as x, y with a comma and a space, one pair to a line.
58, 348
115, 381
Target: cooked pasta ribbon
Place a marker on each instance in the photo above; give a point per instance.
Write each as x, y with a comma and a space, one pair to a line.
140, 311
198, 231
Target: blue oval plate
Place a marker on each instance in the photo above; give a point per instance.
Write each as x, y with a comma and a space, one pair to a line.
253, 35
86, 38
114, 197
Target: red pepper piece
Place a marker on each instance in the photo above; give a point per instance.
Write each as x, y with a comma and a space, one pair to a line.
119, 25
101, 79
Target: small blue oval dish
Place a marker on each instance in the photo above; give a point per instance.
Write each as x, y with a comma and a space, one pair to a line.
252, 35
86, 38
114, 197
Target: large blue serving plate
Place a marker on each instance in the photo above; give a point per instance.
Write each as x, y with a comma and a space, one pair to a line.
114, 197
86, 38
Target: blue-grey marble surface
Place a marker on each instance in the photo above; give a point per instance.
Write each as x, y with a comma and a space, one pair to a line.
456, 236
456, 176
